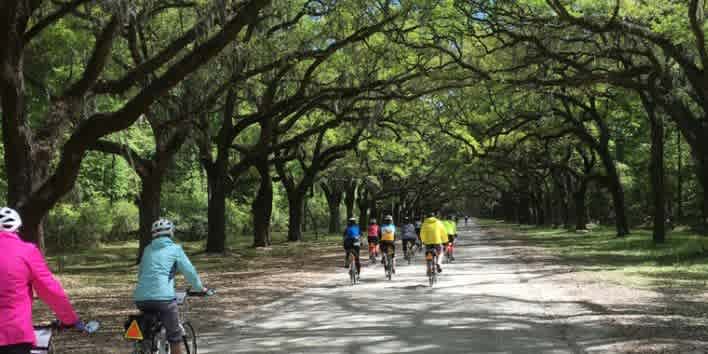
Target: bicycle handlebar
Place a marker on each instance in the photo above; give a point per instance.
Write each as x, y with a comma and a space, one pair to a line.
88, 327
208, 292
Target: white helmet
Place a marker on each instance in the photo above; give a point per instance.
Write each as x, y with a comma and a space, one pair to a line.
163, 227
10, 220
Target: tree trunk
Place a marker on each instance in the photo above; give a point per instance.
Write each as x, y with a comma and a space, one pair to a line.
262, 207
656, 171
149, 208
580, 206
363, 203
617, 192
334, 199
702, 171
218, 188
296, 207
17, 143
679, 178
349, 198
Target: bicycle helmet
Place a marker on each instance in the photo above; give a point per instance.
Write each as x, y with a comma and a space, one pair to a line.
351, 221
373, 221
10, 220
388, 219
163, 227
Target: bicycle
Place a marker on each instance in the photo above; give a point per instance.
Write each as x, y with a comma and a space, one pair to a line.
150, 336
409, 252
351, 260
388, 262
373, 250
449, 258
431, 256
45, 333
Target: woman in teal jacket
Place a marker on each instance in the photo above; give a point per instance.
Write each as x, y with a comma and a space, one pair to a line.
155, 292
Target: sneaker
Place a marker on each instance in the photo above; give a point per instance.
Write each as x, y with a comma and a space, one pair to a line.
439, 269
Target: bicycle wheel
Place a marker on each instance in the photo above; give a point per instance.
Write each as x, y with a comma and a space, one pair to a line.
431, 274
352, 272
190, 338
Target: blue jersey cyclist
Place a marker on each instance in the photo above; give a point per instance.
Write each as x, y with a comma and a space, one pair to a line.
352, 243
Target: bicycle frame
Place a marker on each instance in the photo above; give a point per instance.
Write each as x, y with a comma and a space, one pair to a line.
44, 336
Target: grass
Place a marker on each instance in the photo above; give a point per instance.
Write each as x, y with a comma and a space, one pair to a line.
682, 261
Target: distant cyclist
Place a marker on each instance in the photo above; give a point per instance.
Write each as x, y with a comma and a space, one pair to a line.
418, 226
352, 242
433, 235
373, 233
22, 271
388, 237
155, 291
408, 235
451, 229
467, 218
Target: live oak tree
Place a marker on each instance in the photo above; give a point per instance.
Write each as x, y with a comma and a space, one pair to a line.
66, 129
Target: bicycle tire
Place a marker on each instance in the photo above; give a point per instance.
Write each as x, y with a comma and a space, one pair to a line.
431, 273
352, 271
190, 337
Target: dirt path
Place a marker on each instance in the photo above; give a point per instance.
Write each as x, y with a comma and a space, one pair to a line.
501, 296
492, 300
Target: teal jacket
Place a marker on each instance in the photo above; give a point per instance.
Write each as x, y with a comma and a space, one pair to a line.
161, 260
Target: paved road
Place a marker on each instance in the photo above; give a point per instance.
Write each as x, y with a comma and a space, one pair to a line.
483, 303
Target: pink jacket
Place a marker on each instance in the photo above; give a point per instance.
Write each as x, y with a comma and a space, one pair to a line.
22, 268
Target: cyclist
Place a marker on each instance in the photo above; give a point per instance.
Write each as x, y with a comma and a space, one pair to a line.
418, 226
352, 242
451, 229
388, 238
155, 291
23, 269
433, 235
408, 235
373, 234
467, 218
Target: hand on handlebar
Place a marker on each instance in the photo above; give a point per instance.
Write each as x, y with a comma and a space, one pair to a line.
205, 292
81, 326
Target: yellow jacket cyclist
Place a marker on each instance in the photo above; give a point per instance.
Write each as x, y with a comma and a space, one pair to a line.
433, 235
451, 229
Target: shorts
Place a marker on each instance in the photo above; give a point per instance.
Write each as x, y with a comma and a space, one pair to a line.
406, 242
436, 248
23, 348
350, 243
374, 240
386, 244
169, 316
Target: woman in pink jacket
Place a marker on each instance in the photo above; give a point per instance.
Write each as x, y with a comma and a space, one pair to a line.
22, 268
